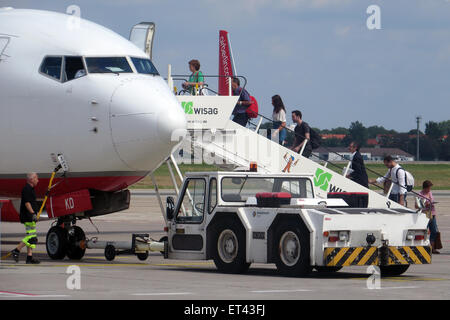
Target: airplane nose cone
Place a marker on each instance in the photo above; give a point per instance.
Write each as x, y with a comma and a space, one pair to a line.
171, 126
147, 122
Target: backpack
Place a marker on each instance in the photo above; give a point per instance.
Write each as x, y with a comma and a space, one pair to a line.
252, 110
315, 138
409, 179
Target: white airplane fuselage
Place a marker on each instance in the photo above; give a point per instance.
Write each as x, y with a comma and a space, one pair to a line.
111, 127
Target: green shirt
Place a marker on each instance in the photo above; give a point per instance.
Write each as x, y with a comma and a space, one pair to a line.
195, 77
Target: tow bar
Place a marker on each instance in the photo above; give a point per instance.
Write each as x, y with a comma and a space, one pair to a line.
140, 245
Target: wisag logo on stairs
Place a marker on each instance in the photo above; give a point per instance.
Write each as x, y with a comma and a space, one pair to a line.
322, 179
188, 107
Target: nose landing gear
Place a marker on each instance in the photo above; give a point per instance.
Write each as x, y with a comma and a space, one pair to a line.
65, 239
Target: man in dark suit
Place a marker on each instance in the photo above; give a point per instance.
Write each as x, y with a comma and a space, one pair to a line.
358, 170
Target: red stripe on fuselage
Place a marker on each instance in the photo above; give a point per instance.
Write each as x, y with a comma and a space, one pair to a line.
12, 188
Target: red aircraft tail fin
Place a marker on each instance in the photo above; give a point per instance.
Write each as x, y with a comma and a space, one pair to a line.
225, 63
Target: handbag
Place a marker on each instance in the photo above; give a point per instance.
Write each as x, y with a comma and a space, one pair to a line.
438, 243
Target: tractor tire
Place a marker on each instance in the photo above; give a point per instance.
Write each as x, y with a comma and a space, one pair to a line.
390, 271
292, 249
229, 246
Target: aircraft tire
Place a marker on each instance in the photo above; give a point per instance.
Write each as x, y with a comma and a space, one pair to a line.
74, 252
56, 243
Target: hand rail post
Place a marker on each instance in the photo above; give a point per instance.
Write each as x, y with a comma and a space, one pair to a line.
259, 124
304, 146
347, 168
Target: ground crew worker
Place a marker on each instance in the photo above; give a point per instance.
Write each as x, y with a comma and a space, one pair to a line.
28, 216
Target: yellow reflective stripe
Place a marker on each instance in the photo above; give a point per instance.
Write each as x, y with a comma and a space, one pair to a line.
412, 255
424, 254
26, 239
398, 255
353, 256
31, 231
338, 257
367, 256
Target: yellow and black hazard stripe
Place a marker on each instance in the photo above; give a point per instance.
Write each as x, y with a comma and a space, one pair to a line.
358, 256
409, 255
364, 256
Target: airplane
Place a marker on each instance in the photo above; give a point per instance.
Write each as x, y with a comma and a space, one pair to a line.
82, 93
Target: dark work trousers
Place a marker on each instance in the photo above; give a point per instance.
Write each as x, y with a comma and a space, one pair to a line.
241, 118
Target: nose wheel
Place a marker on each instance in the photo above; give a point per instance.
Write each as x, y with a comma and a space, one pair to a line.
61, 242
56, 243
76, 239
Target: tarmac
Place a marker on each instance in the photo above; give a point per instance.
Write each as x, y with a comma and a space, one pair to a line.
159, 279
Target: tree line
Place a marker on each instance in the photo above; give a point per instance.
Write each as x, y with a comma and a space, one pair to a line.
434, 143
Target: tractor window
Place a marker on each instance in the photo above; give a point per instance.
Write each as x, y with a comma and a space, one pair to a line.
302, 188
192, 207
212, 195
73, 68
51, 67
238, 189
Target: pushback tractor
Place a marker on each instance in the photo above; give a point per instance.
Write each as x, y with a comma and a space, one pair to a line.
240, 218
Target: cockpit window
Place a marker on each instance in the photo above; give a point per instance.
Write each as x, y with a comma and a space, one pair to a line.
108, 65
51, 66
144, 66
73, 68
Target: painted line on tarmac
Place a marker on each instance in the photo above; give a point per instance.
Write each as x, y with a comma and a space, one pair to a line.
280, 291
82, 265
7, 294
184, 264
393, 288
405, 280
162, 294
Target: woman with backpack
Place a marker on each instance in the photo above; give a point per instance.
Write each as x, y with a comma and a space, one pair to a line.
279, 119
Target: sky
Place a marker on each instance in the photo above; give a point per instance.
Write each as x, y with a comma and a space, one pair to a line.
318, 55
